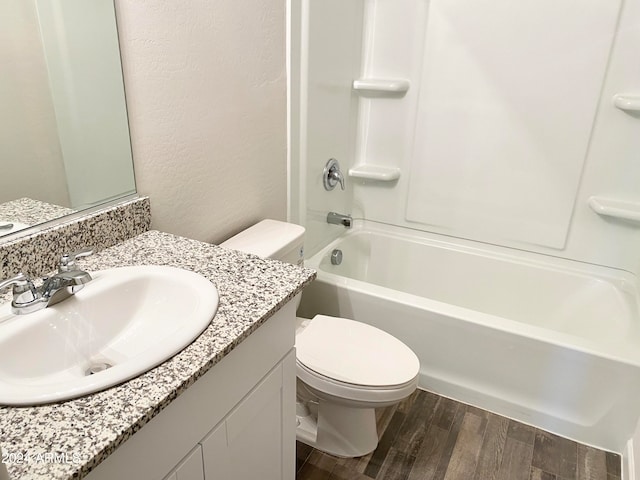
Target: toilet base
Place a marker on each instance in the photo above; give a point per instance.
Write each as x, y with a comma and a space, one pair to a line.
339, 430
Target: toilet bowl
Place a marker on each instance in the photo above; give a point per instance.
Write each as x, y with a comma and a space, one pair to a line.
346, 369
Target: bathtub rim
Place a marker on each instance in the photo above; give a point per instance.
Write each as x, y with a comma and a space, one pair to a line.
621, 279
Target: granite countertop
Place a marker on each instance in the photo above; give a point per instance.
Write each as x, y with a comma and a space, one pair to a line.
31, 212
68, 439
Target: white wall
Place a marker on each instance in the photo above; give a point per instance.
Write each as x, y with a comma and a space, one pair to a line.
30, 152
206, 93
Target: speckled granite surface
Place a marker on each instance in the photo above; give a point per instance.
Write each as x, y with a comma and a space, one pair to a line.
31, 212
40, 252
83, 432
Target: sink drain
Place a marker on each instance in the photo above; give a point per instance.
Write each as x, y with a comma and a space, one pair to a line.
97, 368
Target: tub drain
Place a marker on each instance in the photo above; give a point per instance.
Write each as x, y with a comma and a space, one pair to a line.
97, 368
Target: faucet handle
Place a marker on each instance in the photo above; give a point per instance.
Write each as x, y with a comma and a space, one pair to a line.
24, 291
68, 260
332, 175
19, 280
337, 176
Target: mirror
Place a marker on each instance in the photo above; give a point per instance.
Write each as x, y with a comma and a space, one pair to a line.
64, 135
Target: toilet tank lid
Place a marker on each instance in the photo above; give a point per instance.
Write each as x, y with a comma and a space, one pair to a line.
267, 238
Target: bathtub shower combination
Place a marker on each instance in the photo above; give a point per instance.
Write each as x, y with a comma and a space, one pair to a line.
489, 160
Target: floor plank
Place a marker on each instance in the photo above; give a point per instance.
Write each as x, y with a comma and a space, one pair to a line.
613, 464
340, 472
516, 460
428, 437
429, 455
414, 428
386, 441
466, 451
397, 465
492, 449
592, 463
537, 474
556, 455
302, 454
311, 472
520, 431
450, 444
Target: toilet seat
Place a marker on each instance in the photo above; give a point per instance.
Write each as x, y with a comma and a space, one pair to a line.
353, 360
341, 392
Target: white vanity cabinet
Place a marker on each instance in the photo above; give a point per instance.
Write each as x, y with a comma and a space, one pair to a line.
237, 422
191, 468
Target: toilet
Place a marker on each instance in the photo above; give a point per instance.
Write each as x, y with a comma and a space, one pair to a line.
346, 369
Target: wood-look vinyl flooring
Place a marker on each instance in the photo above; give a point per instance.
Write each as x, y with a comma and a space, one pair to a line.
429, 437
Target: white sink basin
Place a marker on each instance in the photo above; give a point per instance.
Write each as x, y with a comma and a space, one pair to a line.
131, 318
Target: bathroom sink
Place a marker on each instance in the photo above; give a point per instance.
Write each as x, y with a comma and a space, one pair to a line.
124, 322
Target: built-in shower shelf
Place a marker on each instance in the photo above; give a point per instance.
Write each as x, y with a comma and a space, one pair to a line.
381, 87
375, 172
609, 207
628, 103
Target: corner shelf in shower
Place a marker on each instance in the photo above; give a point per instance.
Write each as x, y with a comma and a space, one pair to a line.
609, 207
380, 87
628, 103
375, 172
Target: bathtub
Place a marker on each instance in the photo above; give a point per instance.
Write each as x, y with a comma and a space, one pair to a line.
546, 341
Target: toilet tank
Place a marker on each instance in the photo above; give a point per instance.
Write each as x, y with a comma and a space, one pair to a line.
271, 239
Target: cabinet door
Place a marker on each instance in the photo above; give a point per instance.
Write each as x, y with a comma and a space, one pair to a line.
248, 444
190, 468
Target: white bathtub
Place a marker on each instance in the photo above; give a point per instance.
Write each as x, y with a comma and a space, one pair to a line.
546, 341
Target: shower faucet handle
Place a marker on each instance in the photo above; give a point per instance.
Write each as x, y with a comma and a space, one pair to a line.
336, 175
332, 175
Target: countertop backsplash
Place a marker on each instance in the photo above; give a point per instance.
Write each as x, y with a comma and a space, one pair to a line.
39, 253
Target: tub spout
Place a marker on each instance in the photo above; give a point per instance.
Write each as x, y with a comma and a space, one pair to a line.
339, 219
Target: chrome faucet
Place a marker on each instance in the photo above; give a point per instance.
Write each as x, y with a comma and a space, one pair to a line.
339, 219
68, 281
